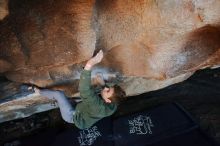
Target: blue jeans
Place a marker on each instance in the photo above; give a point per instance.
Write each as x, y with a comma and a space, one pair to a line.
66, 109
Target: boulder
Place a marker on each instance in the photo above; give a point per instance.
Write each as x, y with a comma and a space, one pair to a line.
146, 43
3, 9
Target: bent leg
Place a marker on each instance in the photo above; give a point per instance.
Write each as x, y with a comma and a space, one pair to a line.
66, 109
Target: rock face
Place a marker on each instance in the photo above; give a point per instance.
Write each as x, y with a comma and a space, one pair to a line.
3, 9
149, 44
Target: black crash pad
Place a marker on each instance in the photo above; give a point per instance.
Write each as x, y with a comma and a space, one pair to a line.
149, 127
168, 125
99, 134
195, 137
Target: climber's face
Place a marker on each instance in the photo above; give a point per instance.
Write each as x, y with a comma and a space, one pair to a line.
107, 93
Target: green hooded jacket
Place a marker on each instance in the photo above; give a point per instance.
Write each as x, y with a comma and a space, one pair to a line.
92, 108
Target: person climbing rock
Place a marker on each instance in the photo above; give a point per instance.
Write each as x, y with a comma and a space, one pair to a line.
94, 106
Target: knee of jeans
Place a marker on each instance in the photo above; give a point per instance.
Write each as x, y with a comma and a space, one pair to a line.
68, 120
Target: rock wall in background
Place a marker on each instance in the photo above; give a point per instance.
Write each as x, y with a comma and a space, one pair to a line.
148, 44
3, 9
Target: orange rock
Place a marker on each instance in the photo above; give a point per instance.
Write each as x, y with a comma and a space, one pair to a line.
47, 43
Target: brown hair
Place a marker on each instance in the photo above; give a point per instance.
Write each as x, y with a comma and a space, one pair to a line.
118, 96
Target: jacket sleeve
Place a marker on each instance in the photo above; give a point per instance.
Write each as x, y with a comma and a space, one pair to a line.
85, 88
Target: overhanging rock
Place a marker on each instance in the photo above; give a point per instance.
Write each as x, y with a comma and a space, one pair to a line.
147, 44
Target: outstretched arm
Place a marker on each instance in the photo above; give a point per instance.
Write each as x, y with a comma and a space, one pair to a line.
85, 88
95, 60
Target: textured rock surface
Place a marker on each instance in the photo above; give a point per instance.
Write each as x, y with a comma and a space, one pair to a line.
3, 9
154, 43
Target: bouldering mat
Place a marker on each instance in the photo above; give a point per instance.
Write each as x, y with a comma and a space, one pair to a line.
166, 125
100, 134
148, 127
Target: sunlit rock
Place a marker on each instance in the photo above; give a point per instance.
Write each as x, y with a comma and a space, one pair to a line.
161, 42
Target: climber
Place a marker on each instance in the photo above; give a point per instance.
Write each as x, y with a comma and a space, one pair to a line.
94, 106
